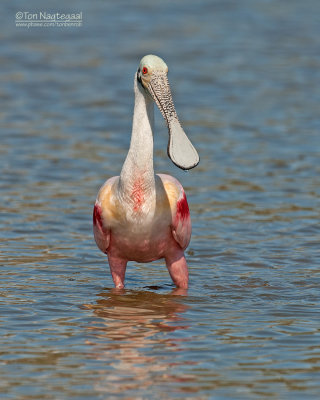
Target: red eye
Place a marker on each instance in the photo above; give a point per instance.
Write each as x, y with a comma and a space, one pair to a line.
144, 70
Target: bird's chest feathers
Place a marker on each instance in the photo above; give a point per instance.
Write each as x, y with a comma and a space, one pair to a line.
138, 195
139, 199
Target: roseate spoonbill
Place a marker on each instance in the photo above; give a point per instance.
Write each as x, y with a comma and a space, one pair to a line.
139, 216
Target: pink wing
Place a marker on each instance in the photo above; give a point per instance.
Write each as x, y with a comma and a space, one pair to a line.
181, 224
101, 234
101, 230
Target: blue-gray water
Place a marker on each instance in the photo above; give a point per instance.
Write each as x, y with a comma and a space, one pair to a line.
245, 78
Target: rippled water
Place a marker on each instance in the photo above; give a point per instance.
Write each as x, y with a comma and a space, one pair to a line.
245, 83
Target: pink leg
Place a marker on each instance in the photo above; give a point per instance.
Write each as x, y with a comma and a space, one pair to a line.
118, 270
178, 269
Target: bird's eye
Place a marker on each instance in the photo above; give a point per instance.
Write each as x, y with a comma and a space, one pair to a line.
144, 70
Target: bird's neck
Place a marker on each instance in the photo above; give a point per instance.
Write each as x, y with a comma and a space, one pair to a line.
138, 166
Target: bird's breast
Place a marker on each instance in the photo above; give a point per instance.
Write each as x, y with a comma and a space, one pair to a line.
138, 195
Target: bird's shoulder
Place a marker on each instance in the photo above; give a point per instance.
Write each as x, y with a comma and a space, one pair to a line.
173, 188
106, 199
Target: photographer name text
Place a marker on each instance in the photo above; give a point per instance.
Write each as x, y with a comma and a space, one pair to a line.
46, 16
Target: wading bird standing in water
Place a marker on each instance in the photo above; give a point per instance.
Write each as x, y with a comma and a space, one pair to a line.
139, 216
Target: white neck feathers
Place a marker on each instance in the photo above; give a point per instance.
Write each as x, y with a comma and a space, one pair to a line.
139, 161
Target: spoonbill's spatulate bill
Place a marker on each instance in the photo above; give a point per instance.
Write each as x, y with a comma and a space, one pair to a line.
139, 216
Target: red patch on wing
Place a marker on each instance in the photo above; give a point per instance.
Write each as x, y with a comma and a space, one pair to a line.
101, 233
137, 194
97, 216
182, 208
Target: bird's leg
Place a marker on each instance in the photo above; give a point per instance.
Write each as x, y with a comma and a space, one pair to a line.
177, 267
118, 270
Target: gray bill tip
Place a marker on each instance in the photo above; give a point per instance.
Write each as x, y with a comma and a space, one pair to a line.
180, 150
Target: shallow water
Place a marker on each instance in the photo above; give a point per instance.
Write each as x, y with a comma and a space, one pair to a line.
244, 78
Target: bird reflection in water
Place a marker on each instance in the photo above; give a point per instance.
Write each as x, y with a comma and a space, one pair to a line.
133, 338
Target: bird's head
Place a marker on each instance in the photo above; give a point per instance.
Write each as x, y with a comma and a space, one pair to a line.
152, 76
